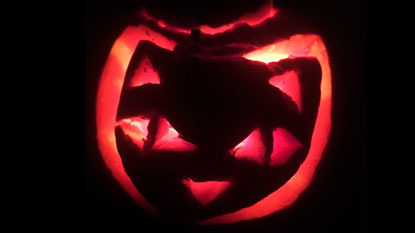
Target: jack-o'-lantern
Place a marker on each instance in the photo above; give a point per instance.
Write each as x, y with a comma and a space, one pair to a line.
215, 125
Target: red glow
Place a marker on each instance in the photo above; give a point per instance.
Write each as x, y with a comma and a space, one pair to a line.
251, 148
108, 97
289, 84
286, 195
136, 129
296, 46
264, 12
162, 24
145, 74
109, 91
285, 144
207, 191
168, 138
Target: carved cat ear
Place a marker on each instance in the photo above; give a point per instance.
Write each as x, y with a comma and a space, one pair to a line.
144, 74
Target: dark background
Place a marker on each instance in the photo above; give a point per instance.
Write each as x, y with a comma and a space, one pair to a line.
336, 200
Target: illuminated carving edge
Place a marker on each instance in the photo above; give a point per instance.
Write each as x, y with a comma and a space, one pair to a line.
109, 92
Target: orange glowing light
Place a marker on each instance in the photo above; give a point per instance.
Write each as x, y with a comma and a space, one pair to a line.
145, 74
290, 85
207, 191
168, 138
136, 129
266, 11
301, 46
285, 144
251, 148
108, 96
296, 46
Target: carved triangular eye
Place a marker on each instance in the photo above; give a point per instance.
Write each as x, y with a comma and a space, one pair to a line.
136, 129
144, 74
251, 148
284, 146
289, 84
167, 138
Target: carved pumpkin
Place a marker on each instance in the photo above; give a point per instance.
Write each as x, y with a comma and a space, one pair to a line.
215, 125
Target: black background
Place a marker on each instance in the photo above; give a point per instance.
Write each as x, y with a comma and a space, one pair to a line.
336, 200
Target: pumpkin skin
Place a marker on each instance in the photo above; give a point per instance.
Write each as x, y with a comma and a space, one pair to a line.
197, 102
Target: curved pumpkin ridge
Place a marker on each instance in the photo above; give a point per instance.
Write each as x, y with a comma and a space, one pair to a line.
108, 97
286, 195
266, 11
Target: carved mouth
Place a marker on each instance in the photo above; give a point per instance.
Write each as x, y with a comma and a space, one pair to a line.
207, 191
